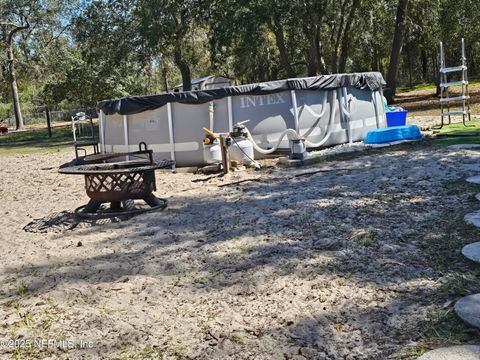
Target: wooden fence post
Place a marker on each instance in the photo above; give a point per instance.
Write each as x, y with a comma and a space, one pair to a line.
225, 155
49, 122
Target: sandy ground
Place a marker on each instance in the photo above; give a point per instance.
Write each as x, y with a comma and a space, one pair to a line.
330, 265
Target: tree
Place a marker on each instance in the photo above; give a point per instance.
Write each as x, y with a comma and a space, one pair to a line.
23, 25
175, 29
397, 44
312, 15
69, 55
346, 36
13, 20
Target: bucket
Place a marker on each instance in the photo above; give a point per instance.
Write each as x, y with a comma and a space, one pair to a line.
396, 118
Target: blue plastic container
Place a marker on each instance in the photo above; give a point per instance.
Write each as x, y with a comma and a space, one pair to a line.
396, 118
396, 133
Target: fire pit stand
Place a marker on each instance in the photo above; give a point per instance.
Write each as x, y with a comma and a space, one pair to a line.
118, 183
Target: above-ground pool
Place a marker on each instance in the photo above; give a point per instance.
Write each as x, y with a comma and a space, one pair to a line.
326, 110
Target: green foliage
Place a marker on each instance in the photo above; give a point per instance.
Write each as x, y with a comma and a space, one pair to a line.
5, 110
77, 53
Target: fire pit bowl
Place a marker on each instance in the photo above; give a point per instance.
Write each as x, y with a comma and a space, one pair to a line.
119, 183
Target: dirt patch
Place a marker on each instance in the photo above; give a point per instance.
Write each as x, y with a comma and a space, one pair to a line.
360, 263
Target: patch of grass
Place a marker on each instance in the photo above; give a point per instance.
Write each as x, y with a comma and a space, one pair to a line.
293, 264
55, 266
366, 237
178, 351
460, 129
454, 140
445, 241
104, 309
428, 86
460, 186
456, 285
243, 248
32, 352
21, 290
416, 87
443, 328
37, 141
456, 276
457, 134
148, 352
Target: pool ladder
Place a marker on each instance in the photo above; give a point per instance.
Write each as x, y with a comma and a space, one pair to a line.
445, 98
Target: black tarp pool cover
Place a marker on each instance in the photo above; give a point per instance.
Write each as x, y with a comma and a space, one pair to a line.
135, 104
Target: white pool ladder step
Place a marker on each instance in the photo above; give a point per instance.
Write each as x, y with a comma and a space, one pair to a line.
456, 98
452, 113
446, 70
454, 83
445, 98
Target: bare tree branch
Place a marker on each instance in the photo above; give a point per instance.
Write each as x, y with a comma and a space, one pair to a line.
55, 37
16, 29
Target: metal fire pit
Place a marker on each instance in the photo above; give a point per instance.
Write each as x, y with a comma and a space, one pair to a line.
118, 183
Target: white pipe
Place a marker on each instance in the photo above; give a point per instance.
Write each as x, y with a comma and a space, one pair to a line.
384, 115
333, 111
294, 135
346, 113
74, 129
125, 133
318, 116
375, 106
230, 113
170, 133
344, 101
287, 132
101, 121
211, 109
295, 110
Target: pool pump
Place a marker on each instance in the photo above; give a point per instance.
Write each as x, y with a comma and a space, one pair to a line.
241, 148
298, 150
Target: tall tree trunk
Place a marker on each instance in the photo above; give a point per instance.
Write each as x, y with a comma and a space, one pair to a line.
277, 30
311, 30
409, 65
424, 66
186, 76
471, 63
165, 78
49, 121
346, 37
14, 87
397, 44
337, 40
184, 70
12, 76
311, 58
374, 60
321, 67
310, 50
